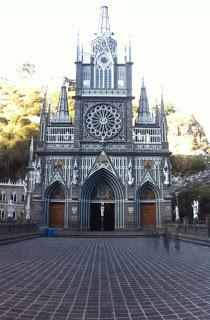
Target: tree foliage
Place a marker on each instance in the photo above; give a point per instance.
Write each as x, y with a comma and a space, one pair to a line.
188, 165
185, 199
18, 109
16, 128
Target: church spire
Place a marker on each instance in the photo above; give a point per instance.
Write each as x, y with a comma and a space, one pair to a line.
63, 109
104, 24
163, 120
129, 49
31, 152
78, 48
43, 111
43, 117
144, 115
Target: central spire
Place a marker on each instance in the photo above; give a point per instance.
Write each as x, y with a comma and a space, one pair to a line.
104, 24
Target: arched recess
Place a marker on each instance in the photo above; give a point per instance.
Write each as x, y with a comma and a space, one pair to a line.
147, 206
55, 206
88, 188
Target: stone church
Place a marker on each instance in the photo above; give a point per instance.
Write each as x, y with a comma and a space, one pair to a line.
103, 171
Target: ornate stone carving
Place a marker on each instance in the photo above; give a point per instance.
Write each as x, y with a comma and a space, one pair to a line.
148, 147
59, 146
92, 146
116, 147
166, 173
130, 175
75, 176
103, 121
38, 172
58, 164
102, 163
147, 178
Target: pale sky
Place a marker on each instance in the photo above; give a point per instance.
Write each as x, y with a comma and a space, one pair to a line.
170, 43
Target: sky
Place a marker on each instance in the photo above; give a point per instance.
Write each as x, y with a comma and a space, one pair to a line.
170, 44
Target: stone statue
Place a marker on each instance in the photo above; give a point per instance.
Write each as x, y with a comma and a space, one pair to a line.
195, 206
166, 173
176, 211
10, 209
75, 174
28, 209
102, 209
38, 173
130, 177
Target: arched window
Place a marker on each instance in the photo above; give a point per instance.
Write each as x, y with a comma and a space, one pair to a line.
57, 194
147, 194
104, 72
14, 197
2, 214
2, 196
102, 191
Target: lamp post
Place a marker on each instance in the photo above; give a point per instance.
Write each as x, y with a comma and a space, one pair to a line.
177, 218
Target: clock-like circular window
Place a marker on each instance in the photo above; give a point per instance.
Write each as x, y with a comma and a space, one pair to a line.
103, 60
103, 121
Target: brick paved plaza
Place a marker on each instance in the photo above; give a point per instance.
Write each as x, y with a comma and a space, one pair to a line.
63, 278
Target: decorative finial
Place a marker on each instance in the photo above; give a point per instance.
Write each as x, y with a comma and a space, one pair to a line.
65, 80
129, 51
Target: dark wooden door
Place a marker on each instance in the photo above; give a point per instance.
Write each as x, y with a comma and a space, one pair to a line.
56, 217
109, 217
148, 214
95, 217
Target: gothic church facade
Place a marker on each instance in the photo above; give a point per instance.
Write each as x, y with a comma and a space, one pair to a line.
102, 172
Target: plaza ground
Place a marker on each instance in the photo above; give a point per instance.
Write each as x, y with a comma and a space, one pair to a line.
109, 279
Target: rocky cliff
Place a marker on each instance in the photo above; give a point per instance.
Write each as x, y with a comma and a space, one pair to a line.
185, 134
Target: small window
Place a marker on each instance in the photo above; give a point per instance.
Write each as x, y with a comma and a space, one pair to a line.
13, 197
2, 196
23, 197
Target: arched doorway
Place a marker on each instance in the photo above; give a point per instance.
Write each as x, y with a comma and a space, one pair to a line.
102, 208
86, 193
56, 208
148, 208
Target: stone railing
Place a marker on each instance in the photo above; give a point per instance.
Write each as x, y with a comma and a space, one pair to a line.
193, 229
104, 92
6, 228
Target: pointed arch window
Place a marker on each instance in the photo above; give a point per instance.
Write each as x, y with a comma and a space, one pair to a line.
2, 196
103, 74
57, 194
121, 79
13, 197
147, 194
86, 77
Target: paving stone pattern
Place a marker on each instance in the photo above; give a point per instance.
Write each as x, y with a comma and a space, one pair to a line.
109, 279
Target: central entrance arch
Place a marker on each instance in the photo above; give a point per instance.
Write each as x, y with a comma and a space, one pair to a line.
102, 180
102, 208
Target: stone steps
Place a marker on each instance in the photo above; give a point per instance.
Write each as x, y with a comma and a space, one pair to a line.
10, 238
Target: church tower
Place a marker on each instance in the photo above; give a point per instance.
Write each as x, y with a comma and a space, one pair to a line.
102, 172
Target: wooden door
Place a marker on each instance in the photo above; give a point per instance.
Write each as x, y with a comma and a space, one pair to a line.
148, 214
56, 216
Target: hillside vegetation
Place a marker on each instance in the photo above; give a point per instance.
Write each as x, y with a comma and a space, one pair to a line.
19, 121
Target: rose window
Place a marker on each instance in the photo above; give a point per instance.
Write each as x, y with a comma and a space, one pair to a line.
103, 121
